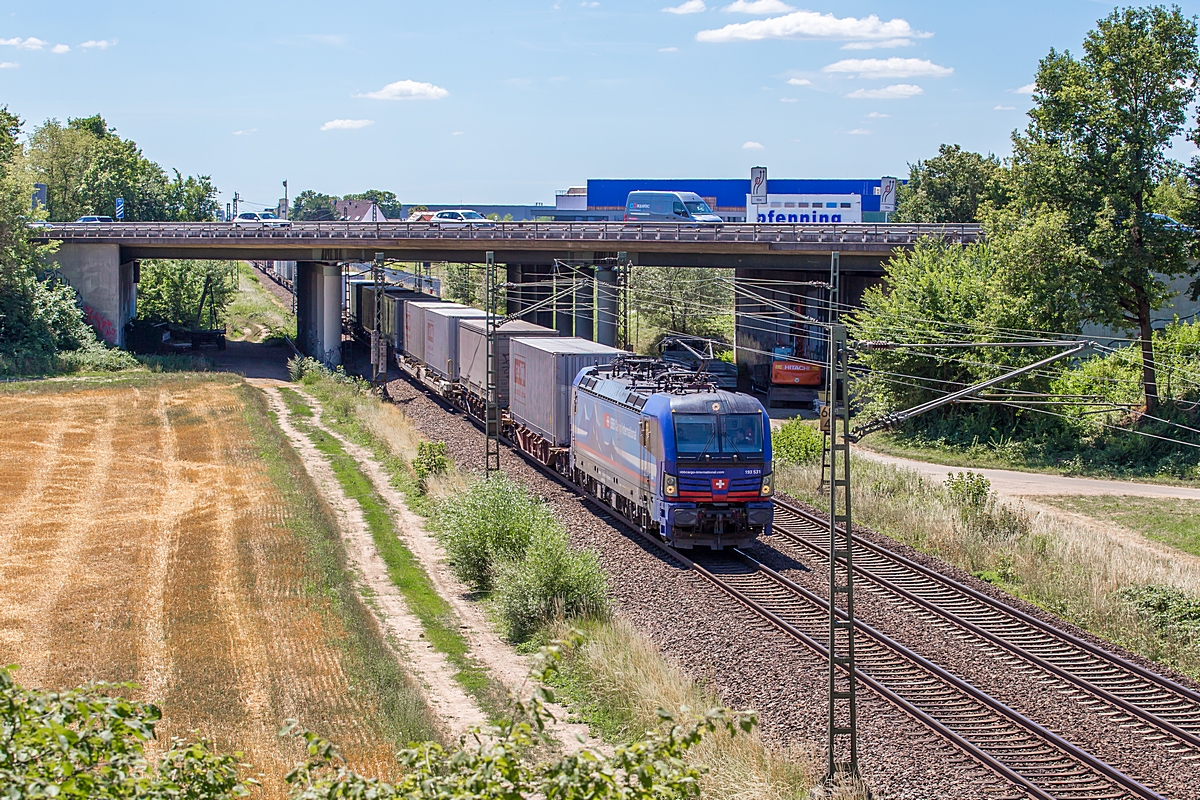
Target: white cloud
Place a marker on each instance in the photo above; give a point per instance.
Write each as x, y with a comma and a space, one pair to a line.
31, 43
246, 132
1005, 108
458, 133
859, 132
9, 65
889, 68
668, 49
688, 7
877, 115
799, 82
98, 44
60, 48
789, 100
759, 7
346, 124
407, 90
752, 146
897, 91
883, 44
1028, 88
811, 25
586, 4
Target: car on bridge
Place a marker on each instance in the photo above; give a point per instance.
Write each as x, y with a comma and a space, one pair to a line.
94, 218
260, 219
460, 218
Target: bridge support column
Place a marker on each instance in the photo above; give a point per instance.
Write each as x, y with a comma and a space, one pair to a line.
606, 305
514, 302
107, 289
319, 311
585, 304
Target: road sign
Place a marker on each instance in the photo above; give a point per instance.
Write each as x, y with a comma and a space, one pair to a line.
758, 186
39, 195
120, 208
887, 195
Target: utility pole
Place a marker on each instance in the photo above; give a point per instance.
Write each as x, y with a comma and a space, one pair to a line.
493, 318
843, 680
286, 208
378, 342
835, 267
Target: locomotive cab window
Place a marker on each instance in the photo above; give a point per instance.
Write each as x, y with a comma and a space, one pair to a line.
741, 433
695, 434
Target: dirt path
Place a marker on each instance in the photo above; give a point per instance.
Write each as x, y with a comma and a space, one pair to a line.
1013, 483
507, 666
453, 706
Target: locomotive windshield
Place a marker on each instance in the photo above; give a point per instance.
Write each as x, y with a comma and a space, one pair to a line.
700, 434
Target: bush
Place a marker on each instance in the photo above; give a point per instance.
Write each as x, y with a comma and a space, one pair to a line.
95, 357
432, 459
552, 582
968, 490
1167, 608
796, 443
492, 522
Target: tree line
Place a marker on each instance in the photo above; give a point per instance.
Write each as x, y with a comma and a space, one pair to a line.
1087, 222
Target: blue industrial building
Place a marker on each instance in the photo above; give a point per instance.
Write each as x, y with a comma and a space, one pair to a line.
603, 199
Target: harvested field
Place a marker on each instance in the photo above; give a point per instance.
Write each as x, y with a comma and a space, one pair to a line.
163, 533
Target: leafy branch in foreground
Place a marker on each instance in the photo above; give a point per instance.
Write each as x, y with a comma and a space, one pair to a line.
492, 762
84, 743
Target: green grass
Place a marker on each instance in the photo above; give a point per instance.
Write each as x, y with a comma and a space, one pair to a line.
994, 457
406, 573
1172, 521
254, 306
404, 715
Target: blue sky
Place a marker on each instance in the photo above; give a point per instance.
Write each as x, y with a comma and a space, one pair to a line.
485, 102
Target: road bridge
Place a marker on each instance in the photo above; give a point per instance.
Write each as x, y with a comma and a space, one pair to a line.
101, 259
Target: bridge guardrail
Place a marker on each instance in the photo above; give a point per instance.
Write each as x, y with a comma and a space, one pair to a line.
616, 233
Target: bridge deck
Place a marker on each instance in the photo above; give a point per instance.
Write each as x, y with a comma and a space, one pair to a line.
426, 241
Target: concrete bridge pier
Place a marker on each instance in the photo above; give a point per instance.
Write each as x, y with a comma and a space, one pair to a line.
606, 305
585, 304
564, 306
319, 311
107, 286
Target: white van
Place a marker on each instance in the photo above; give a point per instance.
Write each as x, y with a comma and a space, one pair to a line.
669, 207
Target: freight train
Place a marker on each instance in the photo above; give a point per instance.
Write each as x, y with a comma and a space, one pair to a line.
662, 446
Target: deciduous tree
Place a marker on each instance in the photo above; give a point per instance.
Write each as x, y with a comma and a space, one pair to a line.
950, 187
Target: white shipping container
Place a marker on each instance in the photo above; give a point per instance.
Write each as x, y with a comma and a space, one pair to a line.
441, 338
414, 326
393, 314
542, 373
472, 354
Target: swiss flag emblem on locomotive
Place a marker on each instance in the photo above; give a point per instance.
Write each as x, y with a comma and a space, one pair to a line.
720, 485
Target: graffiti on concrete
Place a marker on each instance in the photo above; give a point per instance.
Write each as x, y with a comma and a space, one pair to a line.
102, 324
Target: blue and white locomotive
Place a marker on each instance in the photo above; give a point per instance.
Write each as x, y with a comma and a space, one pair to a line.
672, 453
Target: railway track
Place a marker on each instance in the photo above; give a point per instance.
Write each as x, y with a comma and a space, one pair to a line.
1166, 713
1037, 761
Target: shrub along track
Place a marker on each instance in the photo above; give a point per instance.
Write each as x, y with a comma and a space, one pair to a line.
159, 530
749, 661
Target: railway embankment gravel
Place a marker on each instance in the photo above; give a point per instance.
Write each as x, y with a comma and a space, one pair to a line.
747, 661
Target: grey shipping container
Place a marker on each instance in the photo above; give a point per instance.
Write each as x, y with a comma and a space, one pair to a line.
441, 338
472, 354
542, 373
393, 314
414, 326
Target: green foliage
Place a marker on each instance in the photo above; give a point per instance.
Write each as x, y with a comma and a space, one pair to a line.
1167, 608
313, 206
193, 293
309, 371
462, 283
1095, 149
86, 166
682, 300
492, 522
950, 187
89, 743
552, 582
432, 459
968, 490
95, 356
796, 443
494, 762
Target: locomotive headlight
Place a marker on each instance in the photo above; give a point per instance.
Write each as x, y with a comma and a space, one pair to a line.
768, 485
670, 485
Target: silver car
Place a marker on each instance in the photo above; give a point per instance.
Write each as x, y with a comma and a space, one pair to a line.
461, 218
